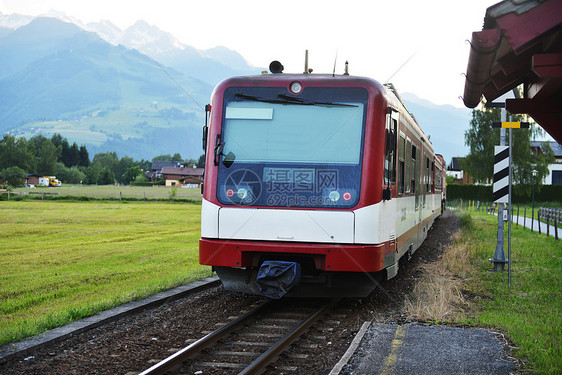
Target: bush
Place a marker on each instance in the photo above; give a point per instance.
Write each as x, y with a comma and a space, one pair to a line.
14, 176
520, 193
72, 175
480, 193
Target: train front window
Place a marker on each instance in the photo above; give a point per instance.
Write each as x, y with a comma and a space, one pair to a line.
291, 151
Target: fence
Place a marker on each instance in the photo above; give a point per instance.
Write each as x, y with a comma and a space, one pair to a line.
21, 193
550, 217
551, 214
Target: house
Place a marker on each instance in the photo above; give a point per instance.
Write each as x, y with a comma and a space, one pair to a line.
32, 179
554, 176
455, 170
183, 176
156, 171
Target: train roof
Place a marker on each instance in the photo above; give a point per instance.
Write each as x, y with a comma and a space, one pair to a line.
414, 121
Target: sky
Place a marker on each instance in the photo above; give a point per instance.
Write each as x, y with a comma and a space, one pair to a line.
420, 46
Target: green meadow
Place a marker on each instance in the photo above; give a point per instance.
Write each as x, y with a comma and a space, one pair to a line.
530, 310
61, 261
108, 192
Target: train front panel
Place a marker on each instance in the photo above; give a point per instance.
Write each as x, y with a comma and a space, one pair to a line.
294, 173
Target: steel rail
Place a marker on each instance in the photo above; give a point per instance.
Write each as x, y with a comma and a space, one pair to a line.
177, 358
270, 355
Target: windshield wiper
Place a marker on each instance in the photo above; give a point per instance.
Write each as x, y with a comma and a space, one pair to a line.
295, 100
257, 99
286, 99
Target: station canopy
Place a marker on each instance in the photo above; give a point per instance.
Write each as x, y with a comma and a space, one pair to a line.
520, 44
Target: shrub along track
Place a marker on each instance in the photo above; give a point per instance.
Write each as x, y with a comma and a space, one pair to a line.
133, 343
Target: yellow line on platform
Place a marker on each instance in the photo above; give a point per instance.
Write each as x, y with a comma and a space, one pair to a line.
392, 358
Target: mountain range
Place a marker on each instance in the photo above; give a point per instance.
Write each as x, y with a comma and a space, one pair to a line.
138, 91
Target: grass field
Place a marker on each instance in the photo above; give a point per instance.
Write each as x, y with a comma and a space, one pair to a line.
115, 192
530, 312
61, 261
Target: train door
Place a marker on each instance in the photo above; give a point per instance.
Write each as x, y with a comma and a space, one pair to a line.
390, 163
390, 151
418, 167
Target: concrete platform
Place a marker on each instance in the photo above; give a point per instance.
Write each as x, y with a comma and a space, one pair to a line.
420, 349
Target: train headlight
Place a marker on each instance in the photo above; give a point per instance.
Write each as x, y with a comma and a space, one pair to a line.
230, 193
334, 196
296, 87
242, 193
346, 196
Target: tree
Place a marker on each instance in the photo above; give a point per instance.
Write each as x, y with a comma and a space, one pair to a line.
107, 159
84, 158
47, 158
141, 178
75, 175
14, 176
72, 175
65, 155
106, 177
123, 166
57, 139
201, 161
166, 157
481, 139
74, 155
190, 162
16, 152
132, 174
145, 165
92, 173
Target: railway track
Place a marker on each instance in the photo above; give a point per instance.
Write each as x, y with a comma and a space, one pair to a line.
249, 343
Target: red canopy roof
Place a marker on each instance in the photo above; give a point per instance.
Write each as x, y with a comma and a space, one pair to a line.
520, 43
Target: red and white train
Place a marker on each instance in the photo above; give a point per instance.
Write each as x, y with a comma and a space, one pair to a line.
328, 176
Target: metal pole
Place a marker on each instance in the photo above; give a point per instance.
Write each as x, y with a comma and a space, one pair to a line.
510, 217
499, 255
533, 205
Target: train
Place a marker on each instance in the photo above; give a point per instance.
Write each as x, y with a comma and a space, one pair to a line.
315, 185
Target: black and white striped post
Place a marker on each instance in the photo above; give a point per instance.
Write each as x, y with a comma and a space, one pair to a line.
501, 174
501, 195
502, 188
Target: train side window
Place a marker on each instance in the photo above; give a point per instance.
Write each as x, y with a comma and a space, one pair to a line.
401, 164
393, 132
408, 167
414, 173
438, 179
390, 150
432, 177
427, 176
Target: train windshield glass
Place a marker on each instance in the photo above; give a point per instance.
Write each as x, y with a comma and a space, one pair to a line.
270, 132
303, 150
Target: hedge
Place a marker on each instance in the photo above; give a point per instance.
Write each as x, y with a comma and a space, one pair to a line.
521, 193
